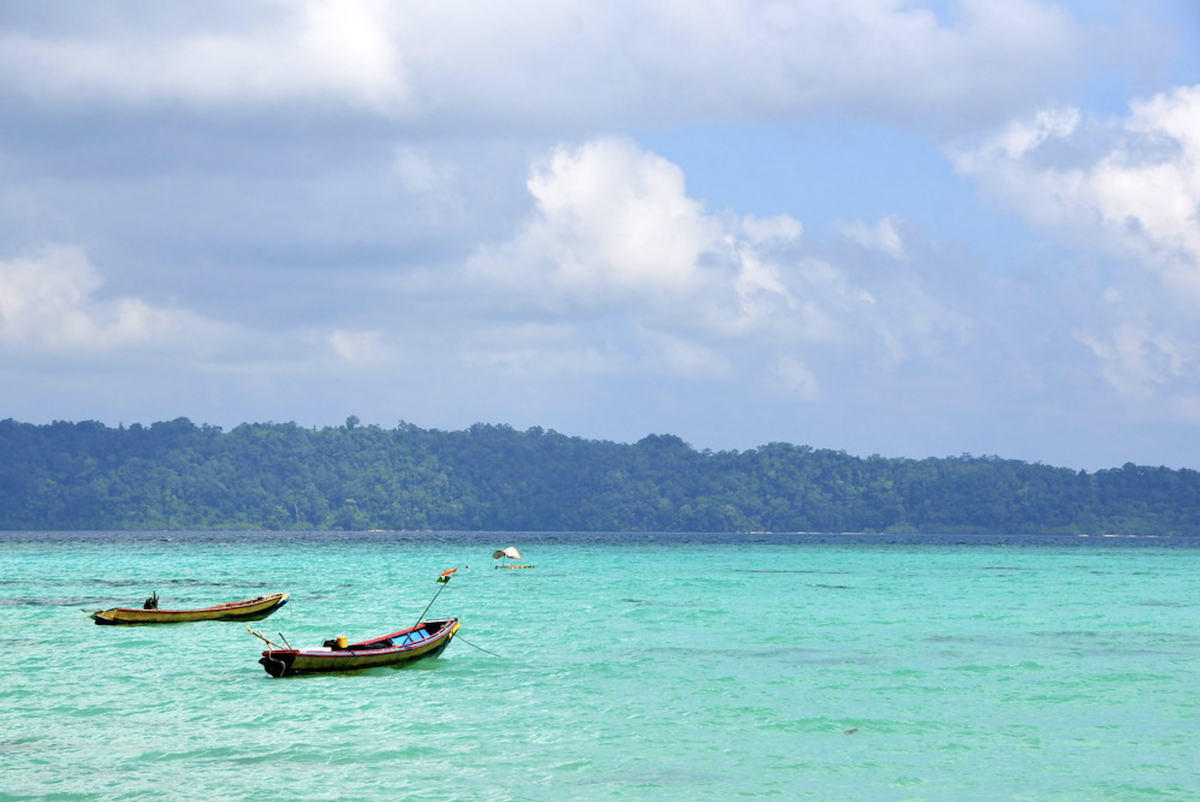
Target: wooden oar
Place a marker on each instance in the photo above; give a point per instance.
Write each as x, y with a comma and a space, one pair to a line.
265, 639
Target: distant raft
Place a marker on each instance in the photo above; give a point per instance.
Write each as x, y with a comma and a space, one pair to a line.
254, 609
508, 554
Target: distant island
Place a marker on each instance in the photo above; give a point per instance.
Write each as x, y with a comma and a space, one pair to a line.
281, 476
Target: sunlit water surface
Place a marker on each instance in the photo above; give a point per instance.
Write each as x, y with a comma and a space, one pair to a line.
658, 667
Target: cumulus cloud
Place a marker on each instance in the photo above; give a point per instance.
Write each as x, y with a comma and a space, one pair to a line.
614, 216
617, 253
613, 226
49, 302
1129, 186
344, 187
1126, 190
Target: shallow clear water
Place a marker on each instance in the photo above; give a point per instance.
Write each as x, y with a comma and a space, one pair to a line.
621, 667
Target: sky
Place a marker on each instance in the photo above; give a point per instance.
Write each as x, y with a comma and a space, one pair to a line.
912, 229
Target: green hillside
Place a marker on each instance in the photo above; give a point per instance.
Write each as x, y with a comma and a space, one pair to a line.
177, 475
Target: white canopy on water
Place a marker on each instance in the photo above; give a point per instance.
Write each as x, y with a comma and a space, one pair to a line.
511, 551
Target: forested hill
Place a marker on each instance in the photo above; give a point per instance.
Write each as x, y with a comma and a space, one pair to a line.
177, 475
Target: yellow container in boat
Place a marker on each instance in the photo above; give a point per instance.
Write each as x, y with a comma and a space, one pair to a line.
342, 642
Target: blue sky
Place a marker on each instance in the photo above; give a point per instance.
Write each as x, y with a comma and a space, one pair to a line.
880, 226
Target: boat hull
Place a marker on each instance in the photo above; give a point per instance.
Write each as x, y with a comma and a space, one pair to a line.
254, 609
426, 640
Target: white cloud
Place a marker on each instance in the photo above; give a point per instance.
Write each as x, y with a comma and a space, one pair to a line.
617, 216
1020, 137
613, 226
759, 285
265, 52
322, 170
1129, 188
883, 236
539, 61
52, 305
49, 303
1139, 362
618, 253
1126, 191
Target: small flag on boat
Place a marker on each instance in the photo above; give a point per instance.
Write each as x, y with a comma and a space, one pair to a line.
445, 577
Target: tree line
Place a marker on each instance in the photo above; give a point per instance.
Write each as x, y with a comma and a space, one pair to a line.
278, 476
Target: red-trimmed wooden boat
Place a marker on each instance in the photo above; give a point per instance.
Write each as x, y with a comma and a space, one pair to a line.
254, 609
427, 639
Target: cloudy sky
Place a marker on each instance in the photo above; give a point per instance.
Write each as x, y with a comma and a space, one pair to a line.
881, 226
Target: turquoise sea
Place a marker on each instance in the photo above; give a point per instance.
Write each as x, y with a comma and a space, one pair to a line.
631, 667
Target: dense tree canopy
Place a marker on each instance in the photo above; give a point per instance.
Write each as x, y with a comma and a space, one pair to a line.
177, 475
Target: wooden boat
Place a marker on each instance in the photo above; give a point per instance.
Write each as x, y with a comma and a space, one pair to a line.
426, 639
254, 609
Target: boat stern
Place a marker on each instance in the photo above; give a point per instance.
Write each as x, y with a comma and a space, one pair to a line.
278, 663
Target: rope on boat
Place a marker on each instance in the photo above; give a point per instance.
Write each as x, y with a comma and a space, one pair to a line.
473, 646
